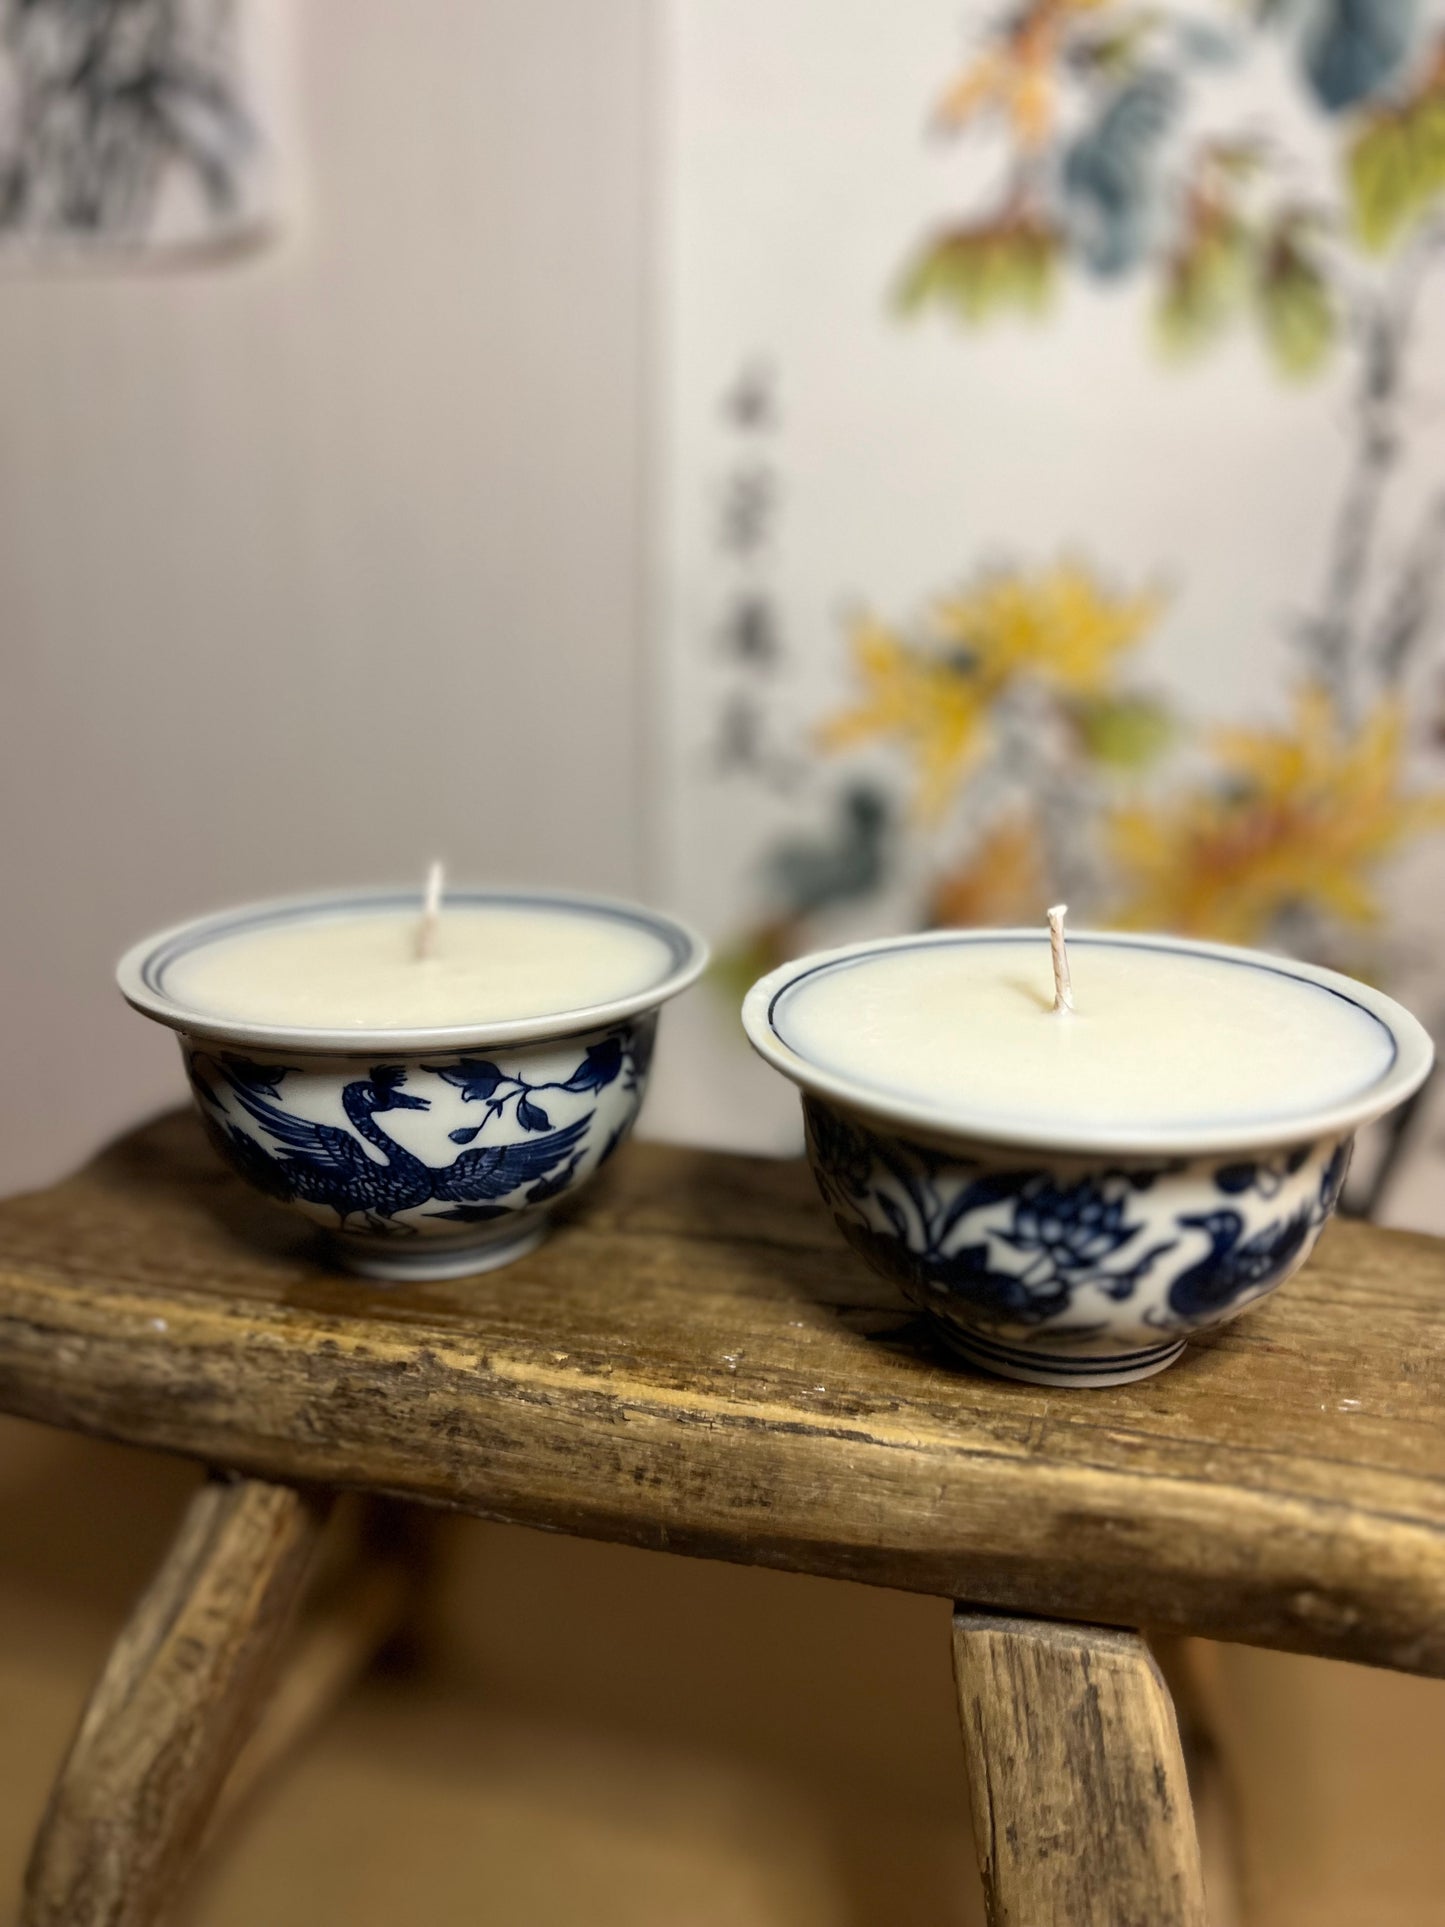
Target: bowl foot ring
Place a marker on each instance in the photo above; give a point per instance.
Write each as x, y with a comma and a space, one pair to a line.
1036, 1367
421, 1260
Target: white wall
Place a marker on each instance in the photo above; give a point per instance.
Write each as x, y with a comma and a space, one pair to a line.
319, 562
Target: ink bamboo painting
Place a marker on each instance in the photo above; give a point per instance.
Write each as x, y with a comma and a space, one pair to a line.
134, 125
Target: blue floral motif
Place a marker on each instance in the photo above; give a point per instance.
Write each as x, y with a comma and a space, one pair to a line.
1267, 1176
1067, 1235
988, 1246
844, 1153
360, 1170
474, 1078
1077, 1226
994, 1297
481, 1082
598, 1068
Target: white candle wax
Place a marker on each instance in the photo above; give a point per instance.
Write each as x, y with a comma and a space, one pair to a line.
1158, 1039
490, 963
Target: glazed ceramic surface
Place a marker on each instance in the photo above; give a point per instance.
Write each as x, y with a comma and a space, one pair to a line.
1073, 1270
1075, 1263
422, 1154
432, 1163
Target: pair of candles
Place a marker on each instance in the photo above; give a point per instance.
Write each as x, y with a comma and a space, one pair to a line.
1145, 1040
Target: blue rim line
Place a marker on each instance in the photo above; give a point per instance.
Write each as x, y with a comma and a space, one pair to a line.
1096, 940
209, 931
1090, 939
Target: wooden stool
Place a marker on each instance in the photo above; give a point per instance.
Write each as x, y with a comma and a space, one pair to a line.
695, 1363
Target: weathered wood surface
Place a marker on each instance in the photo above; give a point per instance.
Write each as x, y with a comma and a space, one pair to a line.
698, 1363
179, 1694
1081, 1809
1190, 1670
366, 1598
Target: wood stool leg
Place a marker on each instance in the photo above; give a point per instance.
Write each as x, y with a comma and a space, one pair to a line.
370, 1603
1081, 1809
178, 1695
1189, 1667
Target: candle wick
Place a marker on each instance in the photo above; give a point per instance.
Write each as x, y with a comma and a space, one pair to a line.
431, 912
1063, 987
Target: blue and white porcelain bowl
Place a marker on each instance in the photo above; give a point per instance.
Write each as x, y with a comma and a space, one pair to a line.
1073, 1264
419, 1153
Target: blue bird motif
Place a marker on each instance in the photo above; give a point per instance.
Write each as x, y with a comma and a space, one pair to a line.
1233, 1268
492, 1171
323, 1164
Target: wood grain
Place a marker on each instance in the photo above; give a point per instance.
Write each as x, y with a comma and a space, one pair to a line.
1190, 1670
178, 1696
697, 1363
369, 1604
1081, 1811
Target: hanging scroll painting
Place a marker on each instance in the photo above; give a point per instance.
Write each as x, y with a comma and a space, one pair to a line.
1052, 451
136, 128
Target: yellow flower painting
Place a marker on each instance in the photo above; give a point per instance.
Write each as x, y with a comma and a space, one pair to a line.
1062, 625
937, 695
933, 705
1039, 767
1299, 819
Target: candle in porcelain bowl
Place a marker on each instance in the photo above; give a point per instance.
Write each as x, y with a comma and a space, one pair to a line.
1069, 1192
424, 1079
501, 962
1158, 1043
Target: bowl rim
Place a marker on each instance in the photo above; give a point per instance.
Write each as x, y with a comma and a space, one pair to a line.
140, 973
1414, 1054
